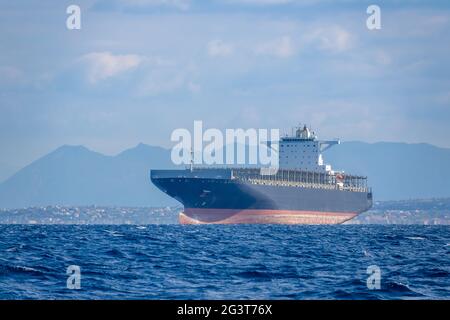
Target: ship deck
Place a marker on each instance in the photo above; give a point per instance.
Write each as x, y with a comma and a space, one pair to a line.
280, 177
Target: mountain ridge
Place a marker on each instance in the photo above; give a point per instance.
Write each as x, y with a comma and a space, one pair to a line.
76, 175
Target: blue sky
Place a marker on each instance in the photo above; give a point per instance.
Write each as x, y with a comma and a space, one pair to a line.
138, 69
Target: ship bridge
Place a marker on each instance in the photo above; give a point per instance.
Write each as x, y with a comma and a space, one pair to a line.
303, 151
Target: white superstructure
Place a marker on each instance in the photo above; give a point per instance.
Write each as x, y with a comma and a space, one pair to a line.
303, 151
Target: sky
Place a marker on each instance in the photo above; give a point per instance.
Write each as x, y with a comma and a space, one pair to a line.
139, 69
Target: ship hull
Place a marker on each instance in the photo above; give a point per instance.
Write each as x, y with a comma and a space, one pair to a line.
252, 216
218, 199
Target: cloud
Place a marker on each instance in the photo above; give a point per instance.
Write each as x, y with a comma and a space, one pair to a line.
178, 4
332, 38
282, 48
267, 3
194, 87
103, 65
158, 82
219, 48
156, 75
258, 2
160, 79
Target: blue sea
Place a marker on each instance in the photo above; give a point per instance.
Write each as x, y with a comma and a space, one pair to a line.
224, 262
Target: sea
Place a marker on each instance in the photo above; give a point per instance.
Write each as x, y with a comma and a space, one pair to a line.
224, 262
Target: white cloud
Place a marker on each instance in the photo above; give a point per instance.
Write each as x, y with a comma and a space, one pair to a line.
194, 87
164, 79
178, 4
334, 38
219, 48
267, 3
282, 47
259, 2
103, 65
158, 83
156, 75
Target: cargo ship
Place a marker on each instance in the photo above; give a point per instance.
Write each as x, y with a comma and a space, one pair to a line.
303, 190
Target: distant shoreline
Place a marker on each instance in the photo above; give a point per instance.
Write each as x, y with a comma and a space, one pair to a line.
417, 212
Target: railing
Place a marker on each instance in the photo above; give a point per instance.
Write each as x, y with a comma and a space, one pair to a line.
299, 178
309, 179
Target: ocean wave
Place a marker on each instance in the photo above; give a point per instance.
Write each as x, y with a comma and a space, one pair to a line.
7, 270
415, 238
228, 262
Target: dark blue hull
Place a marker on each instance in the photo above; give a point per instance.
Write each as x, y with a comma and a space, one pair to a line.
216, 197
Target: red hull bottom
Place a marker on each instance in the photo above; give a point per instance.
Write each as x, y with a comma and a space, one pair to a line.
249, 216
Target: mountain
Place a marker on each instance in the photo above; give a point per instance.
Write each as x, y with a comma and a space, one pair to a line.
7, 170
75, 175
396, 170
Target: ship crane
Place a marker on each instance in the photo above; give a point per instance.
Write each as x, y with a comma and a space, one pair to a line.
327, 144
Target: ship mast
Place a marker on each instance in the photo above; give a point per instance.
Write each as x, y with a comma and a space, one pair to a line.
191, 164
